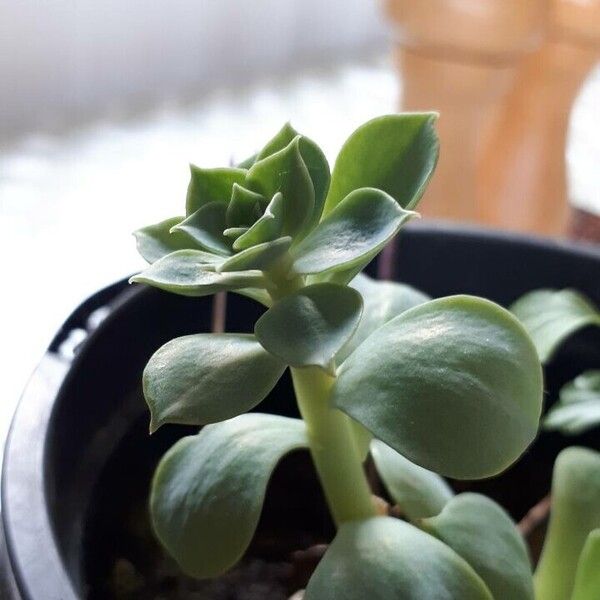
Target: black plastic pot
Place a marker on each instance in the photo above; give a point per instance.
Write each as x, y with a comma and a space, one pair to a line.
79, 437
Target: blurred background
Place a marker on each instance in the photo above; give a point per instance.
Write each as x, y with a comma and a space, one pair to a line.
104, 104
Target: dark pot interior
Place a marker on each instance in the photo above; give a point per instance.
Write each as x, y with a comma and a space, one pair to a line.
79, 460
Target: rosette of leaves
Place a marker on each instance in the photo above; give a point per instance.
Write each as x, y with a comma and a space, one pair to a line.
452, 385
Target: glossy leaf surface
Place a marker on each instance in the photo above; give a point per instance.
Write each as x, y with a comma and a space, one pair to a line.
206, 227
309, 327
454, 384
575, 512
206, 378
384, 558
382, 301
286, 172
208, 491
480, 531
265, 229
244, 208
579, 406
418, 492
261, 256
352, 234
551, 316
211, 185
184, 272
394, 153
587, 578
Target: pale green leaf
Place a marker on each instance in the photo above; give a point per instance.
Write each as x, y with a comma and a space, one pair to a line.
352, 234
480, 531
286, 172
208, 491
266, 229
185, 272
383, 559
206, 227
418, 492
308, 327
244, 208
587, 578
579, 406
575, 512
206, 378
382, 301
455, 385
551, 316
261, 256
211, 185
394, 153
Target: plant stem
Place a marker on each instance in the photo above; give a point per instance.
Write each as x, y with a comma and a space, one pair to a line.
332, 447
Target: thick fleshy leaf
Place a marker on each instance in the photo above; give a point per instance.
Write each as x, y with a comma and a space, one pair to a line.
244, 208
206, 378
185, 272
352, 234
587, 578
480, 531
155, 241
418, 492
579, 406
454, 384
261, 256
256, 294
551, 316
208, 491
394, 153
266, 229
384, 558
575, 513
211, 185
206, 227
382, 301
286, 172
308, 327
313, 157
233, 233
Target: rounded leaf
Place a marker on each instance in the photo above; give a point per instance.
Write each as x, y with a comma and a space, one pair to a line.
587, 578
551, 316
393, 153
208, 490
265, 229
418, 492
206, 227
205, 378
211, 185
454, 384
185, 272
352, 234
261, 256
384, 558
308, 327
480, 531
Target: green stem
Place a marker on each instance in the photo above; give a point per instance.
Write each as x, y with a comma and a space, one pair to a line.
332, 447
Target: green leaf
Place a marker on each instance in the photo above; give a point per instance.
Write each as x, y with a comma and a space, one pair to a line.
308, 327
208, 490
206, 227
575, 513
384, 558
266, 229
245, 207
156, 241
256, 294
587, 578
454, 385
393, 153
185, 272
314, 159
419, 493
211, 185
352, 234
206, 378
579, 406
382, 300
552, 316
480, 531
261, 256
286, 172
